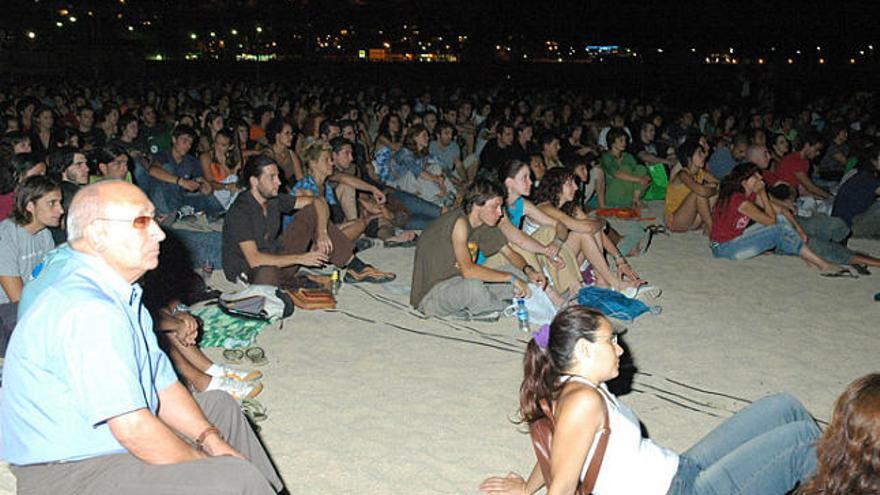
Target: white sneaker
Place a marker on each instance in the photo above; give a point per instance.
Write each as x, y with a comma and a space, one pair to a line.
244, 375
236, 388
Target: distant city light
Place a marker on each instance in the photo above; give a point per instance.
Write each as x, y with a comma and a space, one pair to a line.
234, 32
861, 52
798, 52
870, 47
72, 19
659, 50
131, 28
731, 51
213, 34
818, 48
259, 29
852, 61
192, 36
760, 61
693, 50
821, 60
59, 24
31, 34
790, 61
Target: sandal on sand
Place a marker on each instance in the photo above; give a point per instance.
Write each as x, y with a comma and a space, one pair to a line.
842, 273
862, 269
256, 355
254, 410
402, 244
368, 274
233, 356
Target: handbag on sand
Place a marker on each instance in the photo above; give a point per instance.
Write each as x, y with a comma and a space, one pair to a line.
541, 432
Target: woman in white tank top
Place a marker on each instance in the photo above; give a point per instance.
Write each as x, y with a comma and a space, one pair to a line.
764, 449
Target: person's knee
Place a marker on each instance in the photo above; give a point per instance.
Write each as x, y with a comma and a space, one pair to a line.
239, 476
220, 408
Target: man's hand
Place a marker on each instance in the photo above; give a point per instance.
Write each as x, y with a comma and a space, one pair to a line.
552, 251
215, 446
379, 196
521, 288
535, 277
188, 184
186, 328
645, 181
205, 188
313, 259
323, 244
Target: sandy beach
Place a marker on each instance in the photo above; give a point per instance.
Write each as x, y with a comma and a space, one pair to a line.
373, 398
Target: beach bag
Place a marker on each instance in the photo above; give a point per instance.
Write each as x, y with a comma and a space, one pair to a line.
541, 432
611, 303
659, 182
261, 302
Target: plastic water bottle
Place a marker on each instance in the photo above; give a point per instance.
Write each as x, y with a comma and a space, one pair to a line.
522, 315
335, 282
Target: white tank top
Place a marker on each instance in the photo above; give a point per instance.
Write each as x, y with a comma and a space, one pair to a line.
632, 464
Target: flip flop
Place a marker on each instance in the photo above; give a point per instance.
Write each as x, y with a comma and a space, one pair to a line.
861, 269
842, 273
368, 274
256, 355
254, 410
233, 356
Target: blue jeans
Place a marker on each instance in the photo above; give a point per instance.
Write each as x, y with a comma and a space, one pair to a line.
169, 198
201, 248
421, 212
758, 238
766, 448
827, 236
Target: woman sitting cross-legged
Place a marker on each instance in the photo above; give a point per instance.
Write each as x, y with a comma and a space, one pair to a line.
745, 223
766, 448
586, 239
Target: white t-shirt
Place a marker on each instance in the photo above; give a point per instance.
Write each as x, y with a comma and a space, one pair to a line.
21, 252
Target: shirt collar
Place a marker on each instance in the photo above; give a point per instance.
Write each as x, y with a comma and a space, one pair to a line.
104, 276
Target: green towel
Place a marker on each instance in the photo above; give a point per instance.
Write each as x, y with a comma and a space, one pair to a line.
229, 332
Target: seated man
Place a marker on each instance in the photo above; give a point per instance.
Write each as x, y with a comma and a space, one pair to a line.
24, 241
794, 169
726, 156
256, 249
73, 169
174, 178
85, 380
446, 277
112, 163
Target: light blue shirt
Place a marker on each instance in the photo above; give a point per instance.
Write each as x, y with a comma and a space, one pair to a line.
83, 352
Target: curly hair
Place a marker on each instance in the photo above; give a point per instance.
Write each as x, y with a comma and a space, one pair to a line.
551, 185
848, 453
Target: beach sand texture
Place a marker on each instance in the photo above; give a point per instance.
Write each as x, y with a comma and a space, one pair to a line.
373, 398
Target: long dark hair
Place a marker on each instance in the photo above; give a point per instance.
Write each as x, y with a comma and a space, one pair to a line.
732, 183
542, 367
551, 185
848, 453
509, 170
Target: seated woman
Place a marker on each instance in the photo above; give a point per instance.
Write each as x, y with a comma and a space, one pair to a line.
692, 190
625, 179
745, 223
765, 448
587, 240
319, 181
847, 451
410, 171
219, 169
524, 215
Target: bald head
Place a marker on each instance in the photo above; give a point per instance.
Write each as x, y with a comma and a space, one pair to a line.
758, 154
96, 200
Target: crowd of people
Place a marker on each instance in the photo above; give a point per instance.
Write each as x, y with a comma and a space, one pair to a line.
502, 191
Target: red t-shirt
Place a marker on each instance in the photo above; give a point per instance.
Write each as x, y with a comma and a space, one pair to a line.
789, 166
7, 204
727, 221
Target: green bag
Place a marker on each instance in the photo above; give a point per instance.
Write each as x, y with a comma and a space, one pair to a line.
659, 182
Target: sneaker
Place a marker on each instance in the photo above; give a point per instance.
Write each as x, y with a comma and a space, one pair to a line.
238, 389
243, 375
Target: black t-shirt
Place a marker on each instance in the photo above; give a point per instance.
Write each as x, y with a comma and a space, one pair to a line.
856, 195
245, 221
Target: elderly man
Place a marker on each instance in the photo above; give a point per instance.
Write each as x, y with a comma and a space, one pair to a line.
91, 404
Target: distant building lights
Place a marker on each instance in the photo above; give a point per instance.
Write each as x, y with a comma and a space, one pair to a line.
693, 50
798, 52
790, 61
131, 28
861, 52
852, 61
234, 32
31, 34
259, 29
772, 48
659, 50
193, 36
730, 51
818, 48
821, 61
760, 61
72, 19
59, 24
213, 34
871, 47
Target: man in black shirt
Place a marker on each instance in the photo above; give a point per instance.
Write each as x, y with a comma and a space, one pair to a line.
256, 248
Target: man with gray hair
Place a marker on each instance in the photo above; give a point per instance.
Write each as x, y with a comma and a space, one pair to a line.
91, 403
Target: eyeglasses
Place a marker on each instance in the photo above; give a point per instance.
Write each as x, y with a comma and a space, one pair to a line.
612, 339
141, 223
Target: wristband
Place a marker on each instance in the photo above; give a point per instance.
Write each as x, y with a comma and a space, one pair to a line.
200, 440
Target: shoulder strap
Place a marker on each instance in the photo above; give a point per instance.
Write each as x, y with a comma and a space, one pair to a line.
596, 462
542, 437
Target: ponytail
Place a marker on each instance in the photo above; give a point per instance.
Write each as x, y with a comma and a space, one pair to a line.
538, 383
